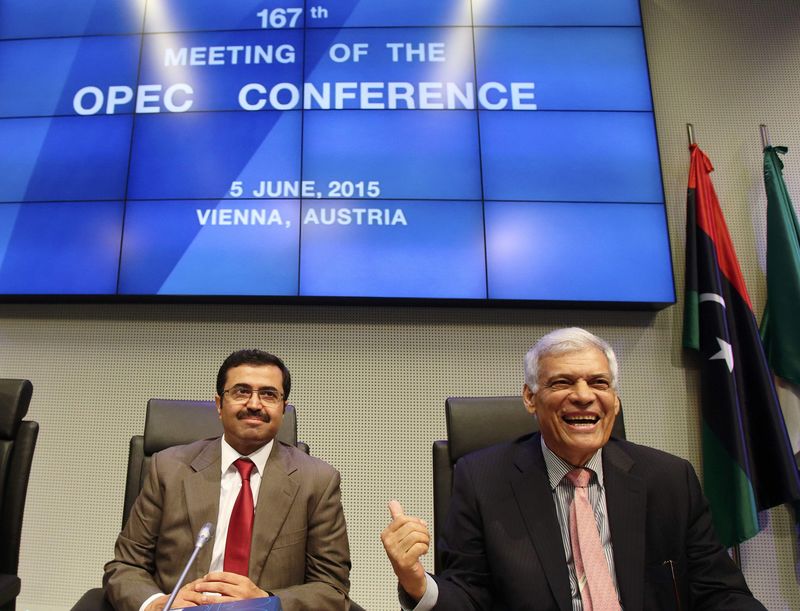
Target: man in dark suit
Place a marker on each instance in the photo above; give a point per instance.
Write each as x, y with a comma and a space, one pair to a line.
513, 532
298, 548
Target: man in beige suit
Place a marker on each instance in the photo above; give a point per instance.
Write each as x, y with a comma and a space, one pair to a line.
299, 549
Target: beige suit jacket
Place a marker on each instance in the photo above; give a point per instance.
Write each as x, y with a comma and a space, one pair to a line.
299, 551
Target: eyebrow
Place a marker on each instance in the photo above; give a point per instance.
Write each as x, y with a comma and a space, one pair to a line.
573, 375
592, 376
242, 384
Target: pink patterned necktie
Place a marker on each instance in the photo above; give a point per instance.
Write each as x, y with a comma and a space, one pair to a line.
594, 579
240, 528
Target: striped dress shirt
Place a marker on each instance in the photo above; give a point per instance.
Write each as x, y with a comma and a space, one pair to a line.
563, 493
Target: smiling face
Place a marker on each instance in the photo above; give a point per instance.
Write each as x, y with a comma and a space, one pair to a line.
250, 425
575, 403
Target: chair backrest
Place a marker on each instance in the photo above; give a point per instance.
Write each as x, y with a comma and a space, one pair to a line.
172, 422
474, 423
17, 444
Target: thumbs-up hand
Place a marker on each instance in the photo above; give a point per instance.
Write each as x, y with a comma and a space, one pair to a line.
405, 539
396, 509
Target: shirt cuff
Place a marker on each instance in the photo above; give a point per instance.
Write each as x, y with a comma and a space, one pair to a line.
428, 600
149, 600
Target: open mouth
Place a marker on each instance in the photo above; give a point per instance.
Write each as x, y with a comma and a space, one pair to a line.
586, 420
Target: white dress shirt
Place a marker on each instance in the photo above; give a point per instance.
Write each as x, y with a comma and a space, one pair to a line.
230, 484
563, 492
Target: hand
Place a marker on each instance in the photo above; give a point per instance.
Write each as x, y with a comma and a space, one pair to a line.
405, 540
230, 586
187, 597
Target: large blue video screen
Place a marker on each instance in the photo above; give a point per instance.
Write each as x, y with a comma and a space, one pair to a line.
471, 150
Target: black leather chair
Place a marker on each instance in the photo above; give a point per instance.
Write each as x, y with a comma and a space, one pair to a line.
474, 423
17, 444
170, 422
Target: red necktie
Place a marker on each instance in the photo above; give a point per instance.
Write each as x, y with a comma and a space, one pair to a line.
594, 579
240, 528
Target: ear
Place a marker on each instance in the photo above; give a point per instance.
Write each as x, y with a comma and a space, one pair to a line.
617, 405
218, 403
529, 398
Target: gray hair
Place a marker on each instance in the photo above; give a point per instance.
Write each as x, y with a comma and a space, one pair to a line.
561, 341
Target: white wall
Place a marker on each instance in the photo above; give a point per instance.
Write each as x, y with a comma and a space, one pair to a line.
370, 383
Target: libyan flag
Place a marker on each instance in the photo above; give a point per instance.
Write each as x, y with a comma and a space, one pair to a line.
747, 460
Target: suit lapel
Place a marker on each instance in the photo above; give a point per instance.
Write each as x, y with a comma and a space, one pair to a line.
534, 500
275, 497
201, 490
626, 501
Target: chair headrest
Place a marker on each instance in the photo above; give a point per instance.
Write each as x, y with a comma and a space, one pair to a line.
172, 422
15, 397
477, 422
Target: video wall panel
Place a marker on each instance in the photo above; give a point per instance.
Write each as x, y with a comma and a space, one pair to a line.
462, 149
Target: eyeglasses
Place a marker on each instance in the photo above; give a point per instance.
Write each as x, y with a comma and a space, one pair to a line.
241, 394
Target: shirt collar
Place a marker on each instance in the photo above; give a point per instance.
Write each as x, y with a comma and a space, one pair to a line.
557, 467
259, 457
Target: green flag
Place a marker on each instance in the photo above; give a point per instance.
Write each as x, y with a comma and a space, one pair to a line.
780, 326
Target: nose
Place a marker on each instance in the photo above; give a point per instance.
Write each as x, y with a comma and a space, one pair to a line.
254, 402
582, 393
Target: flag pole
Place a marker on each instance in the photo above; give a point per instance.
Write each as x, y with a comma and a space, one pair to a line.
765, 142
690, 133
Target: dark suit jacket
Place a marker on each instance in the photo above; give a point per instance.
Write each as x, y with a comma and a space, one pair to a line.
299, 550
502, 542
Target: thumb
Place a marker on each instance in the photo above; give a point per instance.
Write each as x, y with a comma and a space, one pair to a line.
396, 509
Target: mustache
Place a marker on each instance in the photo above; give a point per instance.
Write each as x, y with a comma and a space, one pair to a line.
253, 413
